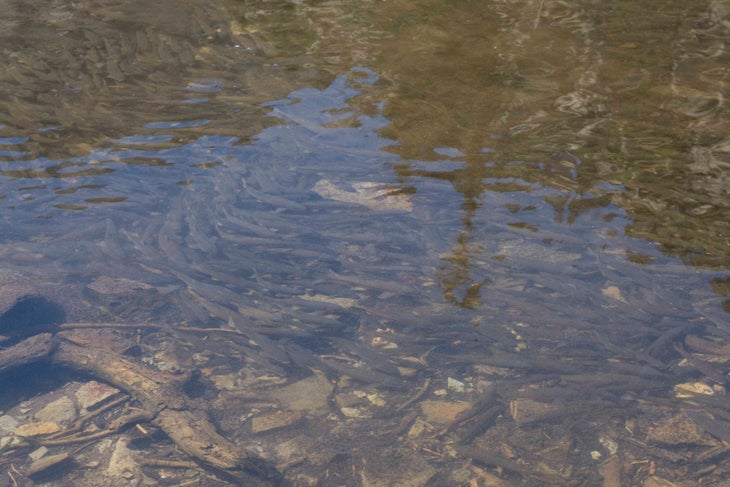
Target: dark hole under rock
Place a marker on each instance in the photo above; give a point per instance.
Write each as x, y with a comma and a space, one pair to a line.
28, 316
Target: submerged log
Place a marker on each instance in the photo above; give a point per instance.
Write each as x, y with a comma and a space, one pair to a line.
33, 349
162, 397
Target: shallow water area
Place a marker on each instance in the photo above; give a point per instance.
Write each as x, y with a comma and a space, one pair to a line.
384, 243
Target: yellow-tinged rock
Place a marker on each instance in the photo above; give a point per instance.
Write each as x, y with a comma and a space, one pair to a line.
691, 389
355, 412
613, 292
344, 303
418, 428
37, 429
407, 371
376, 399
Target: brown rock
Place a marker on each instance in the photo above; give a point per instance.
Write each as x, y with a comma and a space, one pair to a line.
675, 431
525, 411
394, 467
611, 472
93, 393
275, 420
443, 412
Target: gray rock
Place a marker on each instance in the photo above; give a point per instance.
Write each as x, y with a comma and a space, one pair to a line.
396, 468
122, 464
310, 394
61, 411
45, 463
7, 424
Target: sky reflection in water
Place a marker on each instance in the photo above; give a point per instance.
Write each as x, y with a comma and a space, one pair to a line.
490, 244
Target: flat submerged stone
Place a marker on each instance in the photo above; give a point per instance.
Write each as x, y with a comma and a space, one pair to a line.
93, 393
37, 429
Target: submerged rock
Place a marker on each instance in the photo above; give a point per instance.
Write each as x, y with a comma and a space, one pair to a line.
278, 419
443, 412
395, 467
7, 424
45, 463
93, 393
37, 429
376, 196
122, 464
60, 411
310, 394
524, 411
676, 430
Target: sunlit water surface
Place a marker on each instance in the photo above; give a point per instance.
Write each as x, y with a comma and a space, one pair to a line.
475, 192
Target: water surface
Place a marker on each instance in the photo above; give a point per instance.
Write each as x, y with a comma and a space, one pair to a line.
433, 199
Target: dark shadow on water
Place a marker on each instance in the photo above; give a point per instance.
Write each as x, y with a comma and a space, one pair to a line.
31, 380
32, 311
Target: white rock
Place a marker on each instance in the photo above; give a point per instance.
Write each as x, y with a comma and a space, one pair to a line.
609, 444
455, 385
376, 196
38, 453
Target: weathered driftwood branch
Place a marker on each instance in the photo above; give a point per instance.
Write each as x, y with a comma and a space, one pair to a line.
116, 425
160, 394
